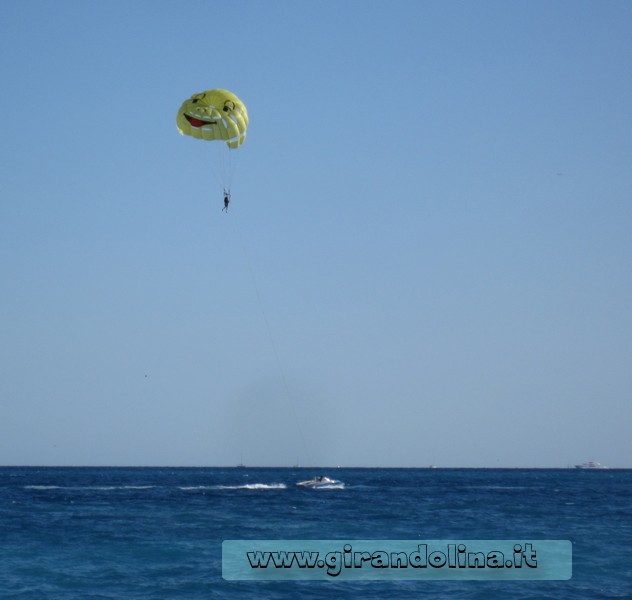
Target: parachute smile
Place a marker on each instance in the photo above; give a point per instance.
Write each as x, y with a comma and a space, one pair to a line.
195, 122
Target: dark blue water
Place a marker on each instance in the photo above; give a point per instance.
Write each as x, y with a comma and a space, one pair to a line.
112, 533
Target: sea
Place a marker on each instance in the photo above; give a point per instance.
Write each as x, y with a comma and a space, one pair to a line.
156, 533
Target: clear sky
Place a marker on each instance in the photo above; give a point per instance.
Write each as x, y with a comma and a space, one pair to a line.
427, 259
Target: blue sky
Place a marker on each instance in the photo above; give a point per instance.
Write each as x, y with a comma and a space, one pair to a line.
427, 259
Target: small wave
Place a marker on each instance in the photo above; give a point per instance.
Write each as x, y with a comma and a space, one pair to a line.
42, 487
138, 487
109, 488
254, 486
246, 486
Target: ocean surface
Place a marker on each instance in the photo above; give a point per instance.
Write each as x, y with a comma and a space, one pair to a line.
156, 533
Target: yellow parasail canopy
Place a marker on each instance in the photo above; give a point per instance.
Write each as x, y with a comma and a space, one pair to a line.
214, 115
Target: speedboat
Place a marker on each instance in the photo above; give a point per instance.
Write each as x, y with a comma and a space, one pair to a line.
322, 482
591, 464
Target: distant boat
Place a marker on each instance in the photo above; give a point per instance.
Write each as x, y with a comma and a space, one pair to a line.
322, 482
591, 464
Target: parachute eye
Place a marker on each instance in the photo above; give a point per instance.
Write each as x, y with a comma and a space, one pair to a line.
195, 100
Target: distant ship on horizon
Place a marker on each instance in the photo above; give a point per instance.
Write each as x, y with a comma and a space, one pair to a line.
591, 464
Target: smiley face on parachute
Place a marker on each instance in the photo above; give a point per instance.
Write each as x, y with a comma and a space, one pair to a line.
214, 115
